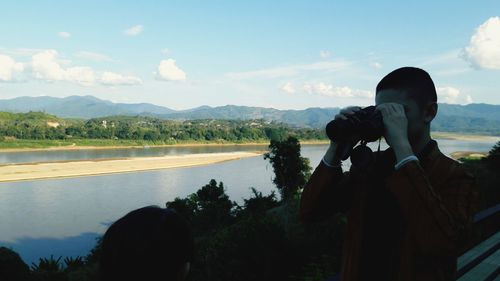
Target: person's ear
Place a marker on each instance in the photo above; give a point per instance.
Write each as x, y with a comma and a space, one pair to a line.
430, 112
184, 271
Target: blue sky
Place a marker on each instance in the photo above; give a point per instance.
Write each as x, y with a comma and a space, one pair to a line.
281, 54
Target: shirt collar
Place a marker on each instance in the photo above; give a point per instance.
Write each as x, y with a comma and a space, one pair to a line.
389, 159
427, 150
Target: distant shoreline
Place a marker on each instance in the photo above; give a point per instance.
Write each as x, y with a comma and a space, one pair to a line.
468, 155
125, 146
111, 145
464, 137
105, 147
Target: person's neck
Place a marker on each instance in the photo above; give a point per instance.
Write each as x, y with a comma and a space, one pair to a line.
420, 144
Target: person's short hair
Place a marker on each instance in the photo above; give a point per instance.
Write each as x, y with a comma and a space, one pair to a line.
149, 243
415, 82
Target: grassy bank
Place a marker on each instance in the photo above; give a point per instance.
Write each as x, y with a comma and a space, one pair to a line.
28, 145
464, 137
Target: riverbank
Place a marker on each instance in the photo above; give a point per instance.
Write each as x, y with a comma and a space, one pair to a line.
468, 155
19, 145
31, 145
464, 137
65, 169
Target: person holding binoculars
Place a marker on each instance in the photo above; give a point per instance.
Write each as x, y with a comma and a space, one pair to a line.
409, 208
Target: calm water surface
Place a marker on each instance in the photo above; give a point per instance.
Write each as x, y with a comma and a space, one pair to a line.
43, 156
64, 216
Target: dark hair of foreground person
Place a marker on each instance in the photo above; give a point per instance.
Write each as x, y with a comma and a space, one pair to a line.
149, 243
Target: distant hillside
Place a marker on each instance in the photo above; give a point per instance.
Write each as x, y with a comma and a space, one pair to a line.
79, 106
34, 118
310, 117
472, 118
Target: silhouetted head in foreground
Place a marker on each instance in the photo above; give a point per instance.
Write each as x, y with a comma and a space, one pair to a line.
149, 243
414, 89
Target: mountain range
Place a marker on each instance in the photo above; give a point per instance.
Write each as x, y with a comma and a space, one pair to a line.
476, 117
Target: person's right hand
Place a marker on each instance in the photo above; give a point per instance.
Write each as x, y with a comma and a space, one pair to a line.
332, 154
346, 111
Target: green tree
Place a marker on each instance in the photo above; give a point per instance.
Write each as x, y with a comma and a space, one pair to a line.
186, 207
124, 131
208, 209
493, 158
152, 135
75, 131
49, 269
214, 209
12, 267
290, 169
251, 249
276, 134
258, 204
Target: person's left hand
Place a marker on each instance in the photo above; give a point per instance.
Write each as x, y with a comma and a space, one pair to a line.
396, 128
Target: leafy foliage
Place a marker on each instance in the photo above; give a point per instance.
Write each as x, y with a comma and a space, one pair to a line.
48, 264
493, 158
48, 269
208, 209
12, 267
258, 204
291, 170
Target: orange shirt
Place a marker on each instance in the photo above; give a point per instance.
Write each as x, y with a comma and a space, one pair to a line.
426, 210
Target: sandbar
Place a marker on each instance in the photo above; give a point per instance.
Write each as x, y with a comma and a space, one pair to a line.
65, 169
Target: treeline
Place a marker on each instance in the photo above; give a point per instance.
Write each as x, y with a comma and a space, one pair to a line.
41, 126
467, 125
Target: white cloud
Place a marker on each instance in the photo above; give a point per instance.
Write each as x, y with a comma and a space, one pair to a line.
112, 79
286, 71
341, 92
288, 88
134, 30
376, 65
92, 56
483, 50
46, 66
80, 74
452, 95
169, 71
9, 68
64, 34
448, 94
325, 54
